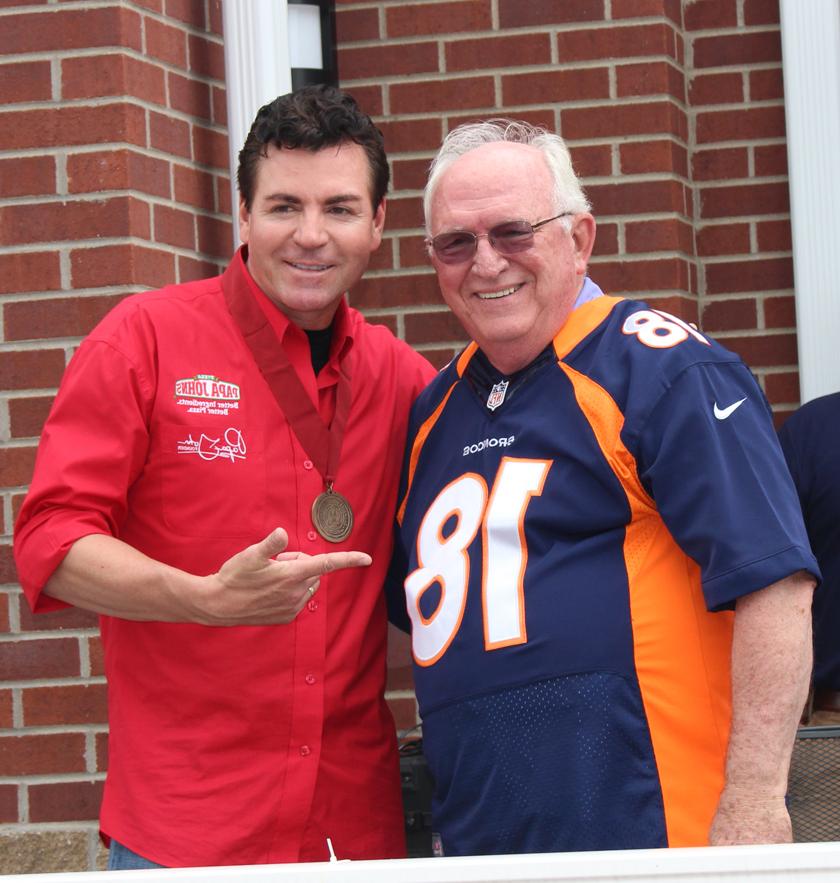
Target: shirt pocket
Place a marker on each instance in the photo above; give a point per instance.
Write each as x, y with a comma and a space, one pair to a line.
213, 480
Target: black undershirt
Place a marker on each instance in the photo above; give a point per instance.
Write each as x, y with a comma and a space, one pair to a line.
319, 347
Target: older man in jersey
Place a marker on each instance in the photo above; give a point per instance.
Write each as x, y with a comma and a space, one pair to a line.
601, 551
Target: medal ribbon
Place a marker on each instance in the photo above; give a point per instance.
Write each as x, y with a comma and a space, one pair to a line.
321, 443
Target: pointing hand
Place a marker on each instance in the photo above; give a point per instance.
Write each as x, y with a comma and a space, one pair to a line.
265, 584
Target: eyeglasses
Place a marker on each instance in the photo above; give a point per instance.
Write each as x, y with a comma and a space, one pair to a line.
509, 237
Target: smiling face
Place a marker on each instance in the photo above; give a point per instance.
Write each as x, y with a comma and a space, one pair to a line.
511, 305
311, 228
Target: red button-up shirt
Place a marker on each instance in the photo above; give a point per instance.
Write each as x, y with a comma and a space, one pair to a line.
248, 744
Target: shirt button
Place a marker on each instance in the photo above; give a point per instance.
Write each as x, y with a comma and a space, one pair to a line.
305, 751
307, 464
312, 606
312, 536
310, 679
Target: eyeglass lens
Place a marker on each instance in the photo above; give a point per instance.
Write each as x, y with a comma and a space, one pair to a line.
509, 237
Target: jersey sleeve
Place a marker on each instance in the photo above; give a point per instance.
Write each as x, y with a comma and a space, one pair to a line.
394, 582
427, 398
709, 457
398, 566
93, 447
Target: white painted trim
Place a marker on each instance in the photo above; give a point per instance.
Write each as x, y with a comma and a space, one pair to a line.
811, 862
257, 70
811, 57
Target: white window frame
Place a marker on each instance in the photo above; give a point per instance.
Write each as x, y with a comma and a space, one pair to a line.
811, 59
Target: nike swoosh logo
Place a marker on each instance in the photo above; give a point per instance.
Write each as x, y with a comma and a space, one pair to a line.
723, 413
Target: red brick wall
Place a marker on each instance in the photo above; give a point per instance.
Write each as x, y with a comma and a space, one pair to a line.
113, 178
739, 169
674, 113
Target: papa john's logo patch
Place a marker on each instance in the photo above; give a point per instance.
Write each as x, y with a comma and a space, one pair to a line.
207, 394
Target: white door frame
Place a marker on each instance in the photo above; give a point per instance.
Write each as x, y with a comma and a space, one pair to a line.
811, 58
257, 70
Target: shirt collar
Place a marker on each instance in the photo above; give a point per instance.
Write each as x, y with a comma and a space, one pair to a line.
342, 335
589, 291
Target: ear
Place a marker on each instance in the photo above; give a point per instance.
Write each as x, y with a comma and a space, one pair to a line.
244, 222
378, 225
583, 236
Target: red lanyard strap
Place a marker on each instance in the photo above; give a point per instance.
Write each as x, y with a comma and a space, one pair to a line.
322, 443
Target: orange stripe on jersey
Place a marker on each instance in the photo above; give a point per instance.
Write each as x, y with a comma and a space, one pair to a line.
426, 428
419, 441
465, 357
681, 651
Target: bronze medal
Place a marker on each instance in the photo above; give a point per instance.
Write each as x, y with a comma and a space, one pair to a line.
332, 516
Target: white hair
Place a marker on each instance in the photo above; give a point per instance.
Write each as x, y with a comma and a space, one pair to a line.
568, 192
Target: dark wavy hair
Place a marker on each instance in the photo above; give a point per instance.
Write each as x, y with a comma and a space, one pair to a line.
312, 118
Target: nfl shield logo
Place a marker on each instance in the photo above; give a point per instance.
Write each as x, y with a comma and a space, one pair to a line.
497, 395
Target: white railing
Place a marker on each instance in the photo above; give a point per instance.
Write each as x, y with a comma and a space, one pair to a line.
811, 862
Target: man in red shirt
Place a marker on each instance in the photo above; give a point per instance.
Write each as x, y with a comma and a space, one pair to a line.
214, 480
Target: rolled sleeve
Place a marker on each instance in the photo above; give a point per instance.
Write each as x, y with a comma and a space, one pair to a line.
93, 447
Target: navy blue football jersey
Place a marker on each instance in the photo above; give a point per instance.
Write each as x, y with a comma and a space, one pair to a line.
571, 543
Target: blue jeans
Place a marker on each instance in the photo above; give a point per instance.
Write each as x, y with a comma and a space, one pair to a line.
121, 858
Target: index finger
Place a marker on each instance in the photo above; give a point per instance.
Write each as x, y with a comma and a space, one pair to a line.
327, 562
